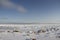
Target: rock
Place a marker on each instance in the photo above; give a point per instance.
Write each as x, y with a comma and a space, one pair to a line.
58, 36
38, 31
15, 31
33, 39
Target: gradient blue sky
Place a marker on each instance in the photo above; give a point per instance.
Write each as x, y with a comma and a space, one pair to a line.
37, 11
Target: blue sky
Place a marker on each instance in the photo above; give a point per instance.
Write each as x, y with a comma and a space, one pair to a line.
30, 11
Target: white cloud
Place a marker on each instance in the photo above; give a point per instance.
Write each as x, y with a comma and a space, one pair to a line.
8, 4
21, 8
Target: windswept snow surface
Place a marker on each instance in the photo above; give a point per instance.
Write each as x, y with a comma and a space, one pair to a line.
29, 31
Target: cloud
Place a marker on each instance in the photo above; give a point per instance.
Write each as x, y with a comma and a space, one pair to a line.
8, 4
21, 8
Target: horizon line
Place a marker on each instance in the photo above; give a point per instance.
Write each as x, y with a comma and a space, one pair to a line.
29, 23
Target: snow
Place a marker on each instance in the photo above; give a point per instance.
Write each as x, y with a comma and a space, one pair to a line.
30, 32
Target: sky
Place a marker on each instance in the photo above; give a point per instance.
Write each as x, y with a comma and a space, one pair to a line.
29, 11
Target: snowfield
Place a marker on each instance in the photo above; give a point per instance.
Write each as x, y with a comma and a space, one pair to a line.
29, 31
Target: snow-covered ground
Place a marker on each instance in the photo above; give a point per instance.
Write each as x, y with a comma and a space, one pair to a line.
29, 31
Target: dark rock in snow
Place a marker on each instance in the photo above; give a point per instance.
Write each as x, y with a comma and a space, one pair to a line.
33, 39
